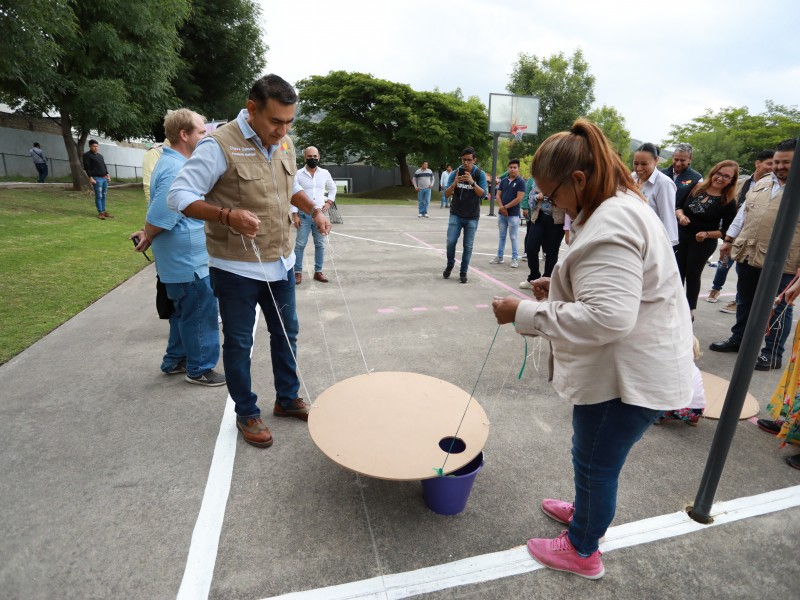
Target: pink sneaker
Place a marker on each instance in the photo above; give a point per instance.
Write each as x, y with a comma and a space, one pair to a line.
558, 510
559, 554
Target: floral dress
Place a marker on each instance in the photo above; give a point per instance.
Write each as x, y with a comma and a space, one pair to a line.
785, 403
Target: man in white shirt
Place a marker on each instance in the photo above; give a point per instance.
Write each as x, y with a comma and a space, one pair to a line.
443, 183
320, 187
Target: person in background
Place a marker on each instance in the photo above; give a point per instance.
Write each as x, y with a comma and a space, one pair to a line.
320, 187
509, 196
423, 183
656, 187
443, 181
149, 163
703, 218
95, 167
39, 161
545, 232
613, 298
681, 172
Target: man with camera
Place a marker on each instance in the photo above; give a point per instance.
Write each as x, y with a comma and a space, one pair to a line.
466, 187
179, 245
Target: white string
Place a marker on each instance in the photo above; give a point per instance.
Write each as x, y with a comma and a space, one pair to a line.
346, 305
257, 252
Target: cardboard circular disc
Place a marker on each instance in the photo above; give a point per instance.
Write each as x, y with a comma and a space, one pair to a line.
388, 425
715, 390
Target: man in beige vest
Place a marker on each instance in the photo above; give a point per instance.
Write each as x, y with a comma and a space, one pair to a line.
746, 241
240, 181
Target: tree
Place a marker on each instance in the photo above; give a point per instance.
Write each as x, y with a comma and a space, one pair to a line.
357, 117
734, 134
612, 123
223, 53
565, 89
109, 69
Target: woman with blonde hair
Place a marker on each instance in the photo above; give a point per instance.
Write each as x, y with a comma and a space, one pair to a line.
704, 216
614, 303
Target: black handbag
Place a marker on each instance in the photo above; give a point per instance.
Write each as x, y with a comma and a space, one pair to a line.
163, 303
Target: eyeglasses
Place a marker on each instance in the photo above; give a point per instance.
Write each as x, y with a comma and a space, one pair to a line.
723, 176
553, 195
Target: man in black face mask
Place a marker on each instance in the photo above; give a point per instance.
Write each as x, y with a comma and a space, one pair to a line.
318, 184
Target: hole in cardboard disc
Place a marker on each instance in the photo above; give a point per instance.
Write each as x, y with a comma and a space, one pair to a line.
453, 445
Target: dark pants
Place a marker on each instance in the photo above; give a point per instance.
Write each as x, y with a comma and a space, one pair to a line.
546, 234
692, 256
41, 168
238, 297
603, 434
780, 324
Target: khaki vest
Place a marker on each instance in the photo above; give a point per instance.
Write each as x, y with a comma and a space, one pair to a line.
256, 184
760, 213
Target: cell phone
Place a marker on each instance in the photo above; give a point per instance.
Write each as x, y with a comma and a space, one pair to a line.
135, 240
461, 171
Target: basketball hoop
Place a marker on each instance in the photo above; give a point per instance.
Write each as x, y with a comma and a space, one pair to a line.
518, 131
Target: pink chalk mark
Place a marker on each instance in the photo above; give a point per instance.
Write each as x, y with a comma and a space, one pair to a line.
451, 308
481, 306
419, 309
386, 310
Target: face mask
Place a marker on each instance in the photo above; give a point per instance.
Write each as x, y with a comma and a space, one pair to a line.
312, 163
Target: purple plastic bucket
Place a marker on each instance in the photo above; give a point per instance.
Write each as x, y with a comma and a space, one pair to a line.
448, 495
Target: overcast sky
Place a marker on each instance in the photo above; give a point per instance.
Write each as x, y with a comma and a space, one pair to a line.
657, 63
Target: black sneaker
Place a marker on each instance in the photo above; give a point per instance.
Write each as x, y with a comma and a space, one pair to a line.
462, 277
773, 427
210, 378
447, 271
177, 369
729, 345
793, 461
766, 363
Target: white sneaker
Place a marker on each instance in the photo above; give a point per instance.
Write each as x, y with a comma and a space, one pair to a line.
525, 255
426, 216
497, 260
514, 263
419, 216
525, 285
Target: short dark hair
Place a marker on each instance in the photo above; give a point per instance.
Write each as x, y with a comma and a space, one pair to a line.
272, 86
36, 145
513, 161
469, 150
93, 142
650, 148
765, 154
787, 145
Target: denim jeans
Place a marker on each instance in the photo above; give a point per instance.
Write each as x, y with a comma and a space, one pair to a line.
238, 297
307, 225
603, 434
100, 188
445, 199
722, 273
508, 225
424, 200
41, 168
193, 327
546, 234
780, 324
454, 227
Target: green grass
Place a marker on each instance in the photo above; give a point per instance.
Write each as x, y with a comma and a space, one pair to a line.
57, 257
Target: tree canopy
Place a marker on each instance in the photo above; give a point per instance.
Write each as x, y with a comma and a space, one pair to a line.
565, 89
222, 54
357, 117
107, 69
734, 134
612, 123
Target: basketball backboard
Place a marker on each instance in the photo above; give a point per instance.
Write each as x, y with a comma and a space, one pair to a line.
512, 115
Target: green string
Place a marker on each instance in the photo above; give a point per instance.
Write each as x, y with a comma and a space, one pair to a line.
524, 358
440, 471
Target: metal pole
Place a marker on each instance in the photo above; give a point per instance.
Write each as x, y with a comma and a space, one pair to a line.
490, 191
777, 251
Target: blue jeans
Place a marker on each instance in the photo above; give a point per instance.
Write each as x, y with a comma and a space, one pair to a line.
454, 227
100, 188
238, 297
41, 168
445, 200
603, 434
193, 327
424, 199
722, 273
508, 225
307, 225
780, 325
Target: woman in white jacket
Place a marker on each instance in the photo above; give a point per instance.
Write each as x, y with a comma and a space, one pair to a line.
613, 305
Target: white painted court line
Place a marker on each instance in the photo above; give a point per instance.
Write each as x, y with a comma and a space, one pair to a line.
488, 567
202, 557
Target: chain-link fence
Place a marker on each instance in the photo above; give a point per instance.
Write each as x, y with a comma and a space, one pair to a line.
21, 165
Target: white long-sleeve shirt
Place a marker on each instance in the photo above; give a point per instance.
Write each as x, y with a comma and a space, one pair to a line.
317, 185
660, 192
616, 314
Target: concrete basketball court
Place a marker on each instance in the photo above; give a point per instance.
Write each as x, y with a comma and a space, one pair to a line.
118, 481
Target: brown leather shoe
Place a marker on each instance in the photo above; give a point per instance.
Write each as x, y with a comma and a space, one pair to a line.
297, 409
255, 432
108, 216
298, 278
320, 277
101, 216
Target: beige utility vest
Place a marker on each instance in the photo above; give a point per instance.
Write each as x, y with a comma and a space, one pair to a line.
751, 244
251, 182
